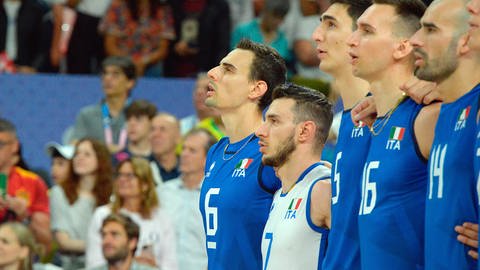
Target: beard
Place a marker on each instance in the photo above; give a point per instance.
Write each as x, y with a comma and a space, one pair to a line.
119, 255
436, 70
282, 154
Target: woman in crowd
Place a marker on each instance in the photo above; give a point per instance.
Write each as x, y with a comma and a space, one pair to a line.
17, 247
73, 201
135, 196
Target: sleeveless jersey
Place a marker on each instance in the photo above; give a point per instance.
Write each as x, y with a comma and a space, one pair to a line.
451, 194
343, 252
392, 209
290, 239
235, 204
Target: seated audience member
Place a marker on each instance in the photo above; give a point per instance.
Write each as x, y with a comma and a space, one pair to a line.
140, 29
139, 116
205, 116
135, 196
21, 28
164, 138
203, 35
265, 29
120, 236
81, 56
180, 198
105, 121
73, 201
61, 156
26, 196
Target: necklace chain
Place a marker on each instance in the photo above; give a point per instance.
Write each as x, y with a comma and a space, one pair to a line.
238, 151
383, 122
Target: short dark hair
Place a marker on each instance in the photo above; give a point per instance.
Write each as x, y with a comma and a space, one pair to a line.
267, 65
7, 126
131, 228
278, 8
211, 139
124, 63
409, 14
310, 105
355, 8
139, 108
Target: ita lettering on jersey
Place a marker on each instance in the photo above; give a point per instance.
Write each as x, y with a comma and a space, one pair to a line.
241, 167
462, 119
357, 131
291, 212
396, 136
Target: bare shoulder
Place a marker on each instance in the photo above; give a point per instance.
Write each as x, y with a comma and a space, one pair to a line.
424, 127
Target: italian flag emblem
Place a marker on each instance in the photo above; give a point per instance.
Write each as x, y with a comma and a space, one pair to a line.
295, 203
361, 124
244, 163
396, 133
464, 114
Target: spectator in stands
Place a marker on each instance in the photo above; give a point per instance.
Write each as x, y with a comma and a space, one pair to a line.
17, 246
105, 121
21, 28
203, 36
304, 47
180, 197
241, 11
61, 156
140, 29
139, 116
135, 196
204, 116
120, 235
164, 137
84, 48
265, 29
73, 201
26, 196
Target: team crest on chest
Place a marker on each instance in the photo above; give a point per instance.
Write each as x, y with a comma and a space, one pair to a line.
241, 167
462, 119
357, 131
395, 137
294, 205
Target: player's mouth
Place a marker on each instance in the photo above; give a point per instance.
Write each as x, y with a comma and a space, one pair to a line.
353, 58
210, 89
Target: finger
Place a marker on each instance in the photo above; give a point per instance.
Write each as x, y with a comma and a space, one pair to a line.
473, 254
467, 241
470, 225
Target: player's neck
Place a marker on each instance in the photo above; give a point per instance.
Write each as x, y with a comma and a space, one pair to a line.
460, 82
352, 89
242, 122
386, 91
292, 169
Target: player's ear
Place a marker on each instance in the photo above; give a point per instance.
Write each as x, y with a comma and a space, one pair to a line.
462, 45
259, 89
306, 131
403, 48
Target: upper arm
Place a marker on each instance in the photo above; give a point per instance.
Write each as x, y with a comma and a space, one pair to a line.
424, 127
320, 207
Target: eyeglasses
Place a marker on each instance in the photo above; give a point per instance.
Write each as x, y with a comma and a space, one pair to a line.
128, 176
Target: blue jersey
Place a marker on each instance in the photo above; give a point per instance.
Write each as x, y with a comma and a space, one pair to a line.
451, 198
235, 200
394, 181
350, 153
